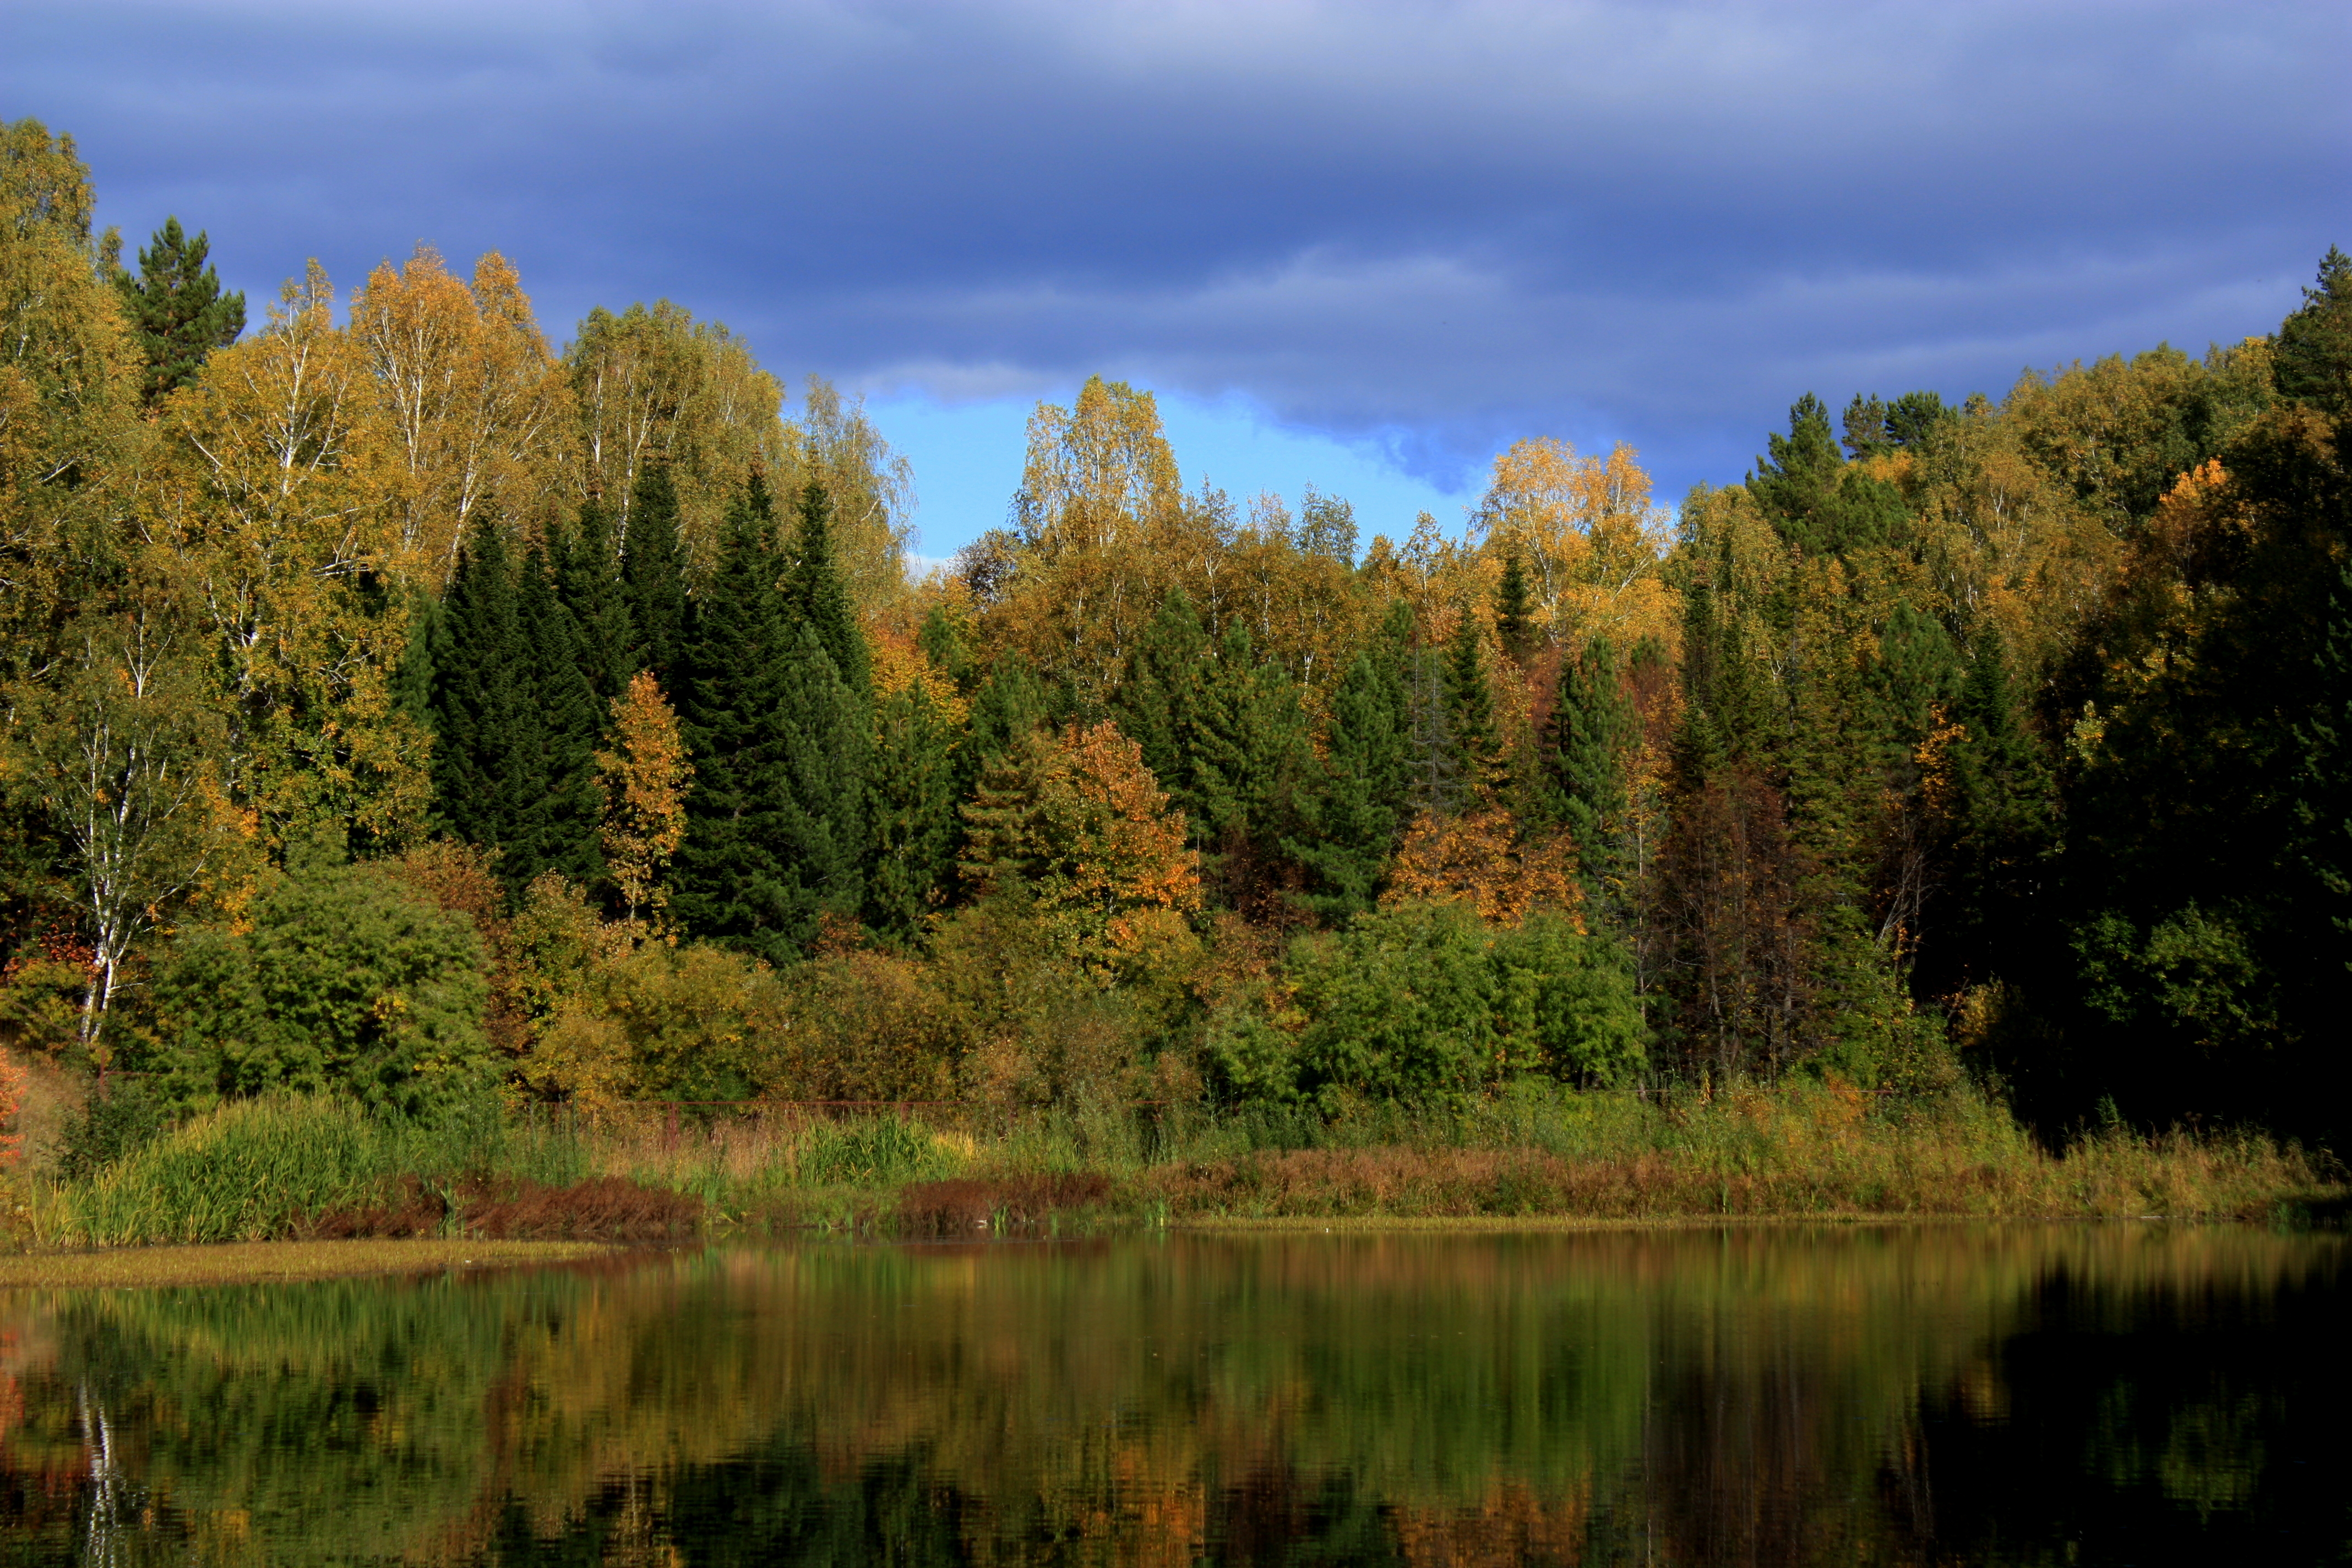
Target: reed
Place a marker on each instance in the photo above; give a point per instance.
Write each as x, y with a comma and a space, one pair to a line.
303, 1167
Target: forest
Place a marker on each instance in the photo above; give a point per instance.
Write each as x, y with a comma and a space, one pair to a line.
399, 710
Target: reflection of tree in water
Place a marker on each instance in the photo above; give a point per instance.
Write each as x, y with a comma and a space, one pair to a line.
1679, 1398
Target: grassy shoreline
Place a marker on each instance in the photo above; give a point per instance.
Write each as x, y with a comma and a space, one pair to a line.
315, 1170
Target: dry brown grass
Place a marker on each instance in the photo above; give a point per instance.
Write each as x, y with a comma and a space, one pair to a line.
603, 1208
967, 1204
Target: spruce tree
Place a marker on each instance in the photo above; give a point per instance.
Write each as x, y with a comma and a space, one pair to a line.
776, 821
176, 310
913, 802
1248, 750
827, 753
588, 582
557, 829
1353, 822
1515, 625
1157, 705
1472, 735
1591, 727
486, 736
817, 594
653, 576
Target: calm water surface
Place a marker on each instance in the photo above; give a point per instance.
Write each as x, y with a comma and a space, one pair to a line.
2063, 1396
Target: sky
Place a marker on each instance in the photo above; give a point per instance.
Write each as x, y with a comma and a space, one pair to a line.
1364, 246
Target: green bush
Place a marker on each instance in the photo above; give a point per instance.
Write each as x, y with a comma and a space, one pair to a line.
1428, 1001
347, 982
127, 1116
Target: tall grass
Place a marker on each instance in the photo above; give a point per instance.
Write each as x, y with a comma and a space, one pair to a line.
277, 1167
263, 1168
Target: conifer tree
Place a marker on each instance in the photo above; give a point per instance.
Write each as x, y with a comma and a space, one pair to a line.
1157, 705
913, 801
557, 829
1514, 622
827, 753
775, 826
176, 310
653, 576
943, 644
1354, 821
1008, 705
1249, 748
486, 736
1591, 726
1472, 733
588, 582
732, 879
816, 594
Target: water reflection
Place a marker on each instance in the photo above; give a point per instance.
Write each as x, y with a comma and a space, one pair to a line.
1913, 1395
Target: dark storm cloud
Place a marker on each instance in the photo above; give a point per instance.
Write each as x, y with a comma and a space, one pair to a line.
1435, 226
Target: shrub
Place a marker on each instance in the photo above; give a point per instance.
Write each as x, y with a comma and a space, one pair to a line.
348, 982
1427, 1000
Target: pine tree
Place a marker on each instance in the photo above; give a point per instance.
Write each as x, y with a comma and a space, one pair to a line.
653, 576
913, 801
1515, 625
176, 310
1591, 727
486, 737
816, 593
588, 582
557, 828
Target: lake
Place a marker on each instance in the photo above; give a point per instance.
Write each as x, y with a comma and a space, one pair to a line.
1944, 1394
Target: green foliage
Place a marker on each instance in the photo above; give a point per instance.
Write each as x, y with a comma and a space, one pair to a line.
653, 576
1473, 739
176, 310
1514, 623
347, 983
269, 1167
120, 1117
1821, 505
587, 572
913, 802
816, 595
1591, 727
2313, 363
1354, 820
1426, 1001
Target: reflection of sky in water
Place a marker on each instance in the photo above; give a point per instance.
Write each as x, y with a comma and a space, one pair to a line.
1938, 1394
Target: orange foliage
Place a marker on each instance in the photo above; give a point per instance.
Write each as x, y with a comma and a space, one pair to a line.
1480, 855
1080, 820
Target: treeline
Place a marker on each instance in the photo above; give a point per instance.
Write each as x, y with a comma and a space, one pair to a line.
395, 704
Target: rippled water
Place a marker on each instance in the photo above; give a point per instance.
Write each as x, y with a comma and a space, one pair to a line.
1931, 1394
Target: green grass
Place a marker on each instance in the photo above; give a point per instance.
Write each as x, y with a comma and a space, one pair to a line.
271, 1168
263, 1168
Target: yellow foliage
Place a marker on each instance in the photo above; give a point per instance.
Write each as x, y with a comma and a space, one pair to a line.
1080, 821
1482, 856
1591, 541
477, 406
645, 777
